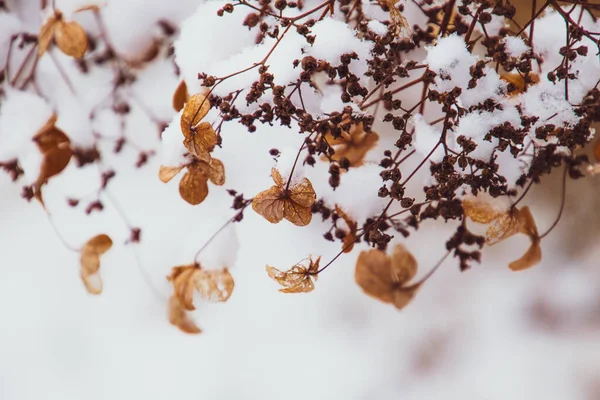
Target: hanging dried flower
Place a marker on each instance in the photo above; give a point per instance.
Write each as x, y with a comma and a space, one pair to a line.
386, 277
293, 203
298, 279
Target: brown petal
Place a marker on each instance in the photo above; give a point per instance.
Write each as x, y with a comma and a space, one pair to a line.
178, 317
216, 172
532, 256
195, 109
46, 34
404, 265
480, 211
70, 38
90, 262
350, 238
296, 280
166, 173
296, 214
214, 285
56, 150
193, 187
277, 178
180, 96
527, 223
373, 275
201, 141
183, 285
269, 204
505, 226
403, 296
303, 193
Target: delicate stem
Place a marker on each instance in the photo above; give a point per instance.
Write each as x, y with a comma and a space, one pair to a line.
562, 203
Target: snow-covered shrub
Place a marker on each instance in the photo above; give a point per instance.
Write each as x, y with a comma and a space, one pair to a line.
351, 123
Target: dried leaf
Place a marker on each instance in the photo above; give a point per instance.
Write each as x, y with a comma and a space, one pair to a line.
182, 278
269, 204
214, 285
193, 187
518, 81
350, 238
293, 204
90, 262
180, 97
298, 279
70, 38
56, 151
353, 145
178, 317
480, 211
201, 141
504, 226
532, 257
166, 173
200, 138
216, 172
385, 278
46, 34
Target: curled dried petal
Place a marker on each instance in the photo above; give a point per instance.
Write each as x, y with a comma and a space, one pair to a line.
480, 211
216, 172
269, 204
70, 38
179, 317
214, 285
180, 97
532, 256
193, 187
166, 173
404, 265
182, 278
277, 178
350, 238
46, 34
295, 280
201, 141
194, 110
504, 226
90, 262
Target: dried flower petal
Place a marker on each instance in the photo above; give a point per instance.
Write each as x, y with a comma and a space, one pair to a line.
178, 317
298, 279
216, 172
214, 285
532, 257
180, 97
480, 211
166, 173
504, 226
353, 145
46, 34
385, 278
193, 187
293, 204
350, 238
269, 204
518, 81
201, 141
200, 138
70, 38
90, 262
56, 150
182, 278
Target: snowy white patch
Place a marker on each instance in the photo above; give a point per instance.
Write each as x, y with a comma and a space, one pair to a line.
172, 148
515, 46
425, 138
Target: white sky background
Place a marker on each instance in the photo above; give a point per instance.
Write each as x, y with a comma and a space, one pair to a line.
467, 335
